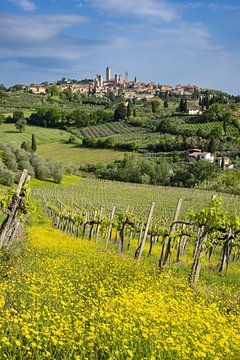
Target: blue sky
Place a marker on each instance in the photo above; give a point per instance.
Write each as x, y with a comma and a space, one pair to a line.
166, 41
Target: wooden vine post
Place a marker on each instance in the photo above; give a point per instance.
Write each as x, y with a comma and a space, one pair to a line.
99, 224
9, 227
166, 246
110, 227
146, 230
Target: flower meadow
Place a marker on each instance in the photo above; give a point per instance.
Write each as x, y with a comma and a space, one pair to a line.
66, 298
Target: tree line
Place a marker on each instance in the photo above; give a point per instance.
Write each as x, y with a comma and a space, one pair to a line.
14, 160
136, 169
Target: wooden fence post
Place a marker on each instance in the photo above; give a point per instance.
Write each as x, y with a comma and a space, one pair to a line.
110, 227
99, 224
146, 230
10, 225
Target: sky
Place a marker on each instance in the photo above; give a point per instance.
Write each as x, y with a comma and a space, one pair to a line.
165, 41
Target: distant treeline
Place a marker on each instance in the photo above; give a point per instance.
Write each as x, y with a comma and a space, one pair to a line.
134, 168
56, 118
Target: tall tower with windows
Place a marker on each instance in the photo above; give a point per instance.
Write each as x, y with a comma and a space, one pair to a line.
126, 77
108, 74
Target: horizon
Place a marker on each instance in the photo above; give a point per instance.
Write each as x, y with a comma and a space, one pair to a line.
162, 41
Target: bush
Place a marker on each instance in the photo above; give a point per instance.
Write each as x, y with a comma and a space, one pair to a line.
6, 176
57, 172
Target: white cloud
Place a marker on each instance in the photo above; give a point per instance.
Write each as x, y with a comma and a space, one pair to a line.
25, 28
212, 6
147, 9
187, 40
24, 4
44, 36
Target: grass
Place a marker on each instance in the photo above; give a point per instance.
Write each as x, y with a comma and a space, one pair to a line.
68, 179
70, 154
10, 135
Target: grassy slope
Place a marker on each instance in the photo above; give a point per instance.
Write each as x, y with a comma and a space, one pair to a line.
51, 144
9, 134
70, 154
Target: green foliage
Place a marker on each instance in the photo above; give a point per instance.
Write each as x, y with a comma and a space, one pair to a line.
71, 139
212, 216
120, 112
136, 169
160, 172
34, 144
17, 116
194, 173
16, 159
25, 146
227, 181
2, 119
21, 125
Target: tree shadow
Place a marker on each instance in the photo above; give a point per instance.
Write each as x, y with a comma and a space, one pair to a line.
11, 132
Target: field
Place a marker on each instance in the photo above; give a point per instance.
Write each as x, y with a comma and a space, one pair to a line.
52, 144
10, 135
70, 154
88, 304
138, 198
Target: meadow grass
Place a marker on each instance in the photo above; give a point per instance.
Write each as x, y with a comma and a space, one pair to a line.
70, 154
10, 135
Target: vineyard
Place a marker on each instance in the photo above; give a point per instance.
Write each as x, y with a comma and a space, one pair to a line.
119, 213
112, 280
231, 130
93, 194
108, 129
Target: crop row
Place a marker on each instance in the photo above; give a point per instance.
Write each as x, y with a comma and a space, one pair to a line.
93, 193
209, 126
109, 129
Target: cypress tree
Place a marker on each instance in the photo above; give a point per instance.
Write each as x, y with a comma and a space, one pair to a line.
165, 104
129, 112
34, 144
185, 108
181, 105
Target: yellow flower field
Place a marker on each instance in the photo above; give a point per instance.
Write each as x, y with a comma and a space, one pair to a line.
67, 299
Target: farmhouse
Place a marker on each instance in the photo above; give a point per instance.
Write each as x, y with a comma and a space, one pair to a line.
197, 154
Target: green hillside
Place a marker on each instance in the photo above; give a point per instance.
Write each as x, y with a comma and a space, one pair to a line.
70, 154
10, 135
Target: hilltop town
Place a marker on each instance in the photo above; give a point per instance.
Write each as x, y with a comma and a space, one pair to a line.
130, 89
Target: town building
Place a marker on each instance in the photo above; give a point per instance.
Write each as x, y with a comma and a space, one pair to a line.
38, 89
108, 74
